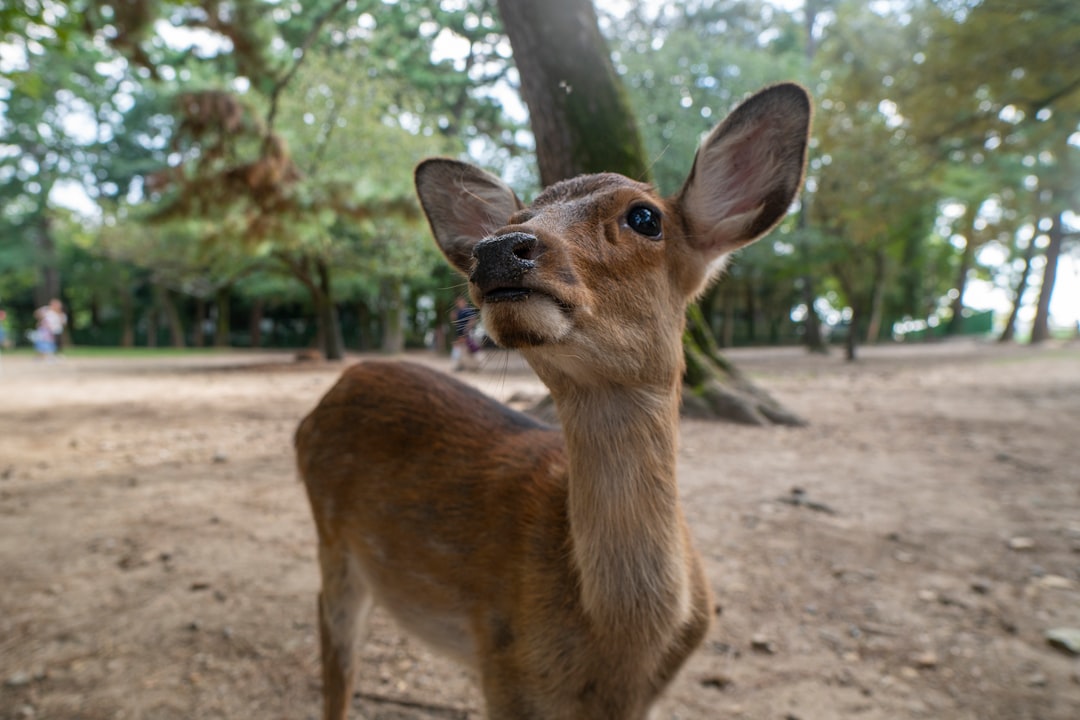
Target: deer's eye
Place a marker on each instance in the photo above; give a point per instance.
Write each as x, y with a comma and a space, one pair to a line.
644, 220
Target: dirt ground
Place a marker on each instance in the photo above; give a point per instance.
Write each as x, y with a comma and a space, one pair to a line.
157, 557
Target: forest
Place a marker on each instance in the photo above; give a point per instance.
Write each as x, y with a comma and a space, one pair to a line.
195, 173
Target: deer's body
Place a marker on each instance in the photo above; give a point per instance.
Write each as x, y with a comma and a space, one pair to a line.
483, 573
558, 565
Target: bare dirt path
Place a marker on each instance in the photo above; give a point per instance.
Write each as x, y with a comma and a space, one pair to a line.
157, 556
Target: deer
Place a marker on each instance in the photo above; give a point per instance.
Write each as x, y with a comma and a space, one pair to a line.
557, 565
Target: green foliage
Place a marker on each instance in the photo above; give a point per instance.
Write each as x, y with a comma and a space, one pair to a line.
268, 147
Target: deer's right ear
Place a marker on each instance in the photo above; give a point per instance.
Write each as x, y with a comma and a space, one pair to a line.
463, 205
748, 171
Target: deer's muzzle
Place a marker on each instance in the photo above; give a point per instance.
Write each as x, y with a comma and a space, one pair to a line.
502, 262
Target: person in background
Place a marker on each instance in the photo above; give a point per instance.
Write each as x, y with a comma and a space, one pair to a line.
5, 337
463, 317
50, 328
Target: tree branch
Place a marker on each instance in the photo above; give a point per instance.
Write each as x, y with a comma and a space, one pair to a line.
282, 82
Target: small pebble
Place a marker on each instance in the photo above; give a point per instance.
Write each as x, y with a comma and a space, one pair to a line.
1021, 544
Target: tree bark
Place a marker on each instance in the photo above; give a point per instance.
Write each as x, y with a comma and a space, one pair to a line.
715, 388
172, 317
578, 108
49, 271
333, 344
1009, 331
198, 338
255, 322
967, 257
393, 317
127, 312
877, 298
221, 330
1040, 328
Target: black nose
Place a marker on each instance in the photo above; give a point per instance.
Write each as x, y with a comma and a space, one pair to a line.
501, 264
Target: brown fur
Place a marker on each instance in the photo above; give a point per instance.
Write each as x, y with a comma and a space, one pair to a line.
558, 565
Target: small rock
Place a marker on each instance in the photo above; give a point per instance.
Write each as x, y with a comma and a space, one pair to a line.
718, 681
762, 644
904, 557
220, 457
26, 711
928, 595
1065, 639
18, 679
1036, 680
1056, 582
981, 587
1021, 544
925, 660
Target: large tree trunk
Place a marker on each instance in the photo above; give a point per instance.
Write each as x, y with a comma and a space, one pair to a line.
967, 257
127, 312
48, 286
198, 337
578, 108
583, 123
1009, 331
1040, 328
715, 388
392, 308
333, 344
221, 330
172, 317
255, 323
877, 299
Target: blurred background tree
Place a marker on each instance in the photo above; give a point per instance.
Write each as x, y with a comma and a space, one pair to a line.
239, 172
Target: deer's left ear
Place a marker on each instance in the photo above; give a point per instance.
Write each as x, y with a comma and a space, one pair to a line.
463, 204
747, 171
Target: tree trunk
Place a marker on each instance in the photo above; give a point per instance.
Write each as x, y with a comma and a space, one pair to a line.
255, 322
815, 341
578, 108
851, 343
127, 312
877, 299
221, 329
1040, 328
392, 308
751, 312
967, 257
1009, 331
715, 388
365, 322
332, 343
172, 317
729, 319
151, 326
49, 271
198, 338
812, 336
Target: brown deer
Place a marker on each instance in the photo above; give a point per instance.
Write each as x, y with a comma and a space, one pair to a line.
557, 565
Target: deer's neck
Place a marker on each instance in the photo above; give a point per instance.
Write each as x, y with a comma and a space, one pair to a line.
629, 538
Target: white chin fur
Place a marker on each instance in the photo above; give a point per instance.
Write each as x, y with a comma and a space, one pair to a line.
535, 321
